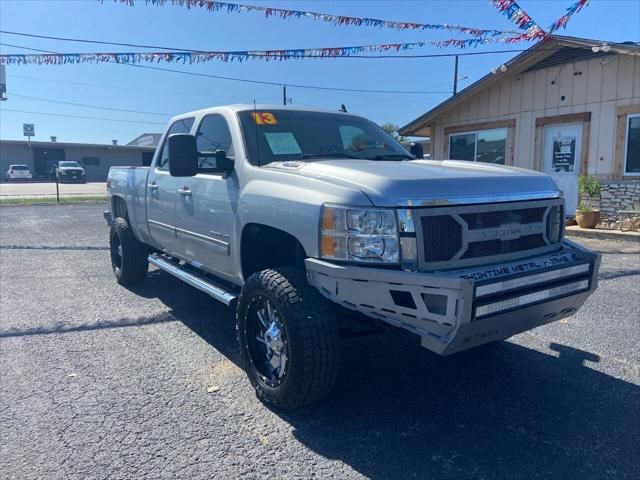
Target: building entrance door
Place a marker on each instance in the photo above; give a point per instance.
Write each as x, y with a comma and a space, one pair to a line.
45, 161
561, 155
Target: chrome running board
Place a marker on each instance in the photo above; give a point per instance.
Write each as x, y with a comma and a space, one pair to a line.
200, 282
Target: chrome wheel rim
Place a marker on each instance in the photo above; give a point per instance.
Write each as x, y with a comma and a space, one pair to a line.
116, 253
267, 341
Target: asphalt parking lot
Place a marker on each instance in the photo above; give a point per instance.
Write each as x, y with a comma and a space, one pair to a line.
98, 381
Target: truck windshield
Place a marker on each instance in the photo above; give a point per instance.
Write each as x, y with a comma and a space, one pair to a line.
284, 135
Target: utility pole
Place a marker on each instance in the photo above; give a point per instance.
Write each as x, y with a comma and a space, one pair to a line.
455, 76
284, 94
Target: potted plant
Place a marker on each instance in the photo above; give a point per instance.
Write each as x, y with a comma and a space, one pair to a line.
586, 215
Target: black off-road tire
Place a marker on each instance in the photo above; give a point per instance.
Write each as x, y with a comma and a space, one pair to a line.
130, 265
310, 327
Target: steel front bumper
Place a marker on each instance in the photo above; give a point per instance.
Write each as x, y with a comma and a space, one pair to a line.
457, 310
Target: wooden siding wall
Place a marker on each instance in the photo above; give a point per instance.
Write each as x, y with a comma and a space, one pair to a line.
599, 85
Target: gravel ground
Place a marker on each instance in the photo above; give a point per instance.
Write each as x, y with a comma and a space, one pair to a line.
99, 381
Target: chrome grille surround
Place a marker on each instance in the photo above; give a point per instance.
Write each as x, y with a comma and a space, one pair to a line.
467, 235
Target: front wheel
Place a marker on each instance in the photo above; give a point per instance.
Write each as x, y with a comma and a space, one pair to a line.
288, 338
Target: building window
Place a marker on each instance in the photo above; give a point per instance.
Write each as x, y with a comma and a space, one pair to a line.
489, 146
632, 148
93, 161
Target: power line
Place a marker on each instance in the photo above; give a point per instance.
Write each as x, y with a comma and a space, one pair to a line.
245, 80
99, 42
89, 106
80, 116
118, 87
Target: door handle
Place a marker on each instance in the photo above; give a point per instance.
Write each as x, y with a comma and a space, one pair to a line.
185, 192
153, 187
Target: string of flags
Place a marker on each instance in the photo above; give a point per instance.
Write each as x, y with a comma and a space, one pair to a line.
509, 8
515, 13
564, 19
194, 57
339, 20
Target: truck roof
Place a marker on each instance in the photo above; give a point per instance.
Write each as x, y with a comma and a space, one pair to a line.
240, 107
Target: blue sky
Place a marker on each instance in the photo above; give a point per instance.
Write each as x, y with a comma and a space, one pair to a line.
122, 87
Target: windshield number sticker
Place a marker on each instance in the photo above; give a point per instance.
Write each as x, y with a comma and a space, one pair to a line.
264, 118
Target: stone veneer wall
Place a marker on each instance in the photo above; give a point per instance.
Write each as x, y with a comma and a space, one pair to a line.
615, 196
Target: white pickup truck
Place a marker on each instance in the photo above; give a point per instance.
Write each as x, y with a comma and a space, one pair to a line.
289, 215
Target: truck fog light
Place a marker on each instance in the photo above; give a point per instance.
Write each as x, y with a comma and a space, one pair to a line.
409, 250
366, 247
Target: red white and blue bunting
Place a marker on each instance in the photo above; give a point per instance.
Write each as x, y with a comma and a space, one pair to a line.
563, 20
513, 11
194, 57
339, 20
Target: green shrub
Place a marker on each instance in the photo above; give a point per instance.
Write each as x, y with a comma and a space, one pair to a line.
583, 207
589, 186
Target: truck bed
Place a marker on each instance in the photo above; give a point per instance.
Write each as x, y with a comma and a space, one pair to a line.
130, 183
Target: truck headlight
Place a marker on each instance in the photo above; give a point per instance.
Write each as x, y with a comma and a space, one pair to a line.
359, 235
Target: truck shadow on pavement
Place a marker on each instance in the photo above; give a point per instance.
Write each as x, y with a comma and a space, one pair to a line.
500, 411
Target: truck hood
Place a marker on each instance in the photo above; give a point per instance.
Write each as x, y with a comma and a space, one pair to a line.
424, 182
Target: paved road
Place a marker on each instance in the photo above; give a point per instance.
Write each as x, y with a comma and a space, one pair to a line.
48, 189
97, 381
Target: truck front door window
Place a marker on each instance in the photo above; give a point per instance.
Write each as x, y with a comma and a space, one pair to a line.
213, 134
181, 126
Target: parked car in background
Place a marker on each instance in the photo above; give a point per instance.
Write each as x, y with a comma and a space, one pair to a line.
18, 172
70, 171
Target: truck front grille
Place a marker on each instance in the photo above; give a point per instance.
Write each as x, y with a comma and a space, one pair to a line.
474, 234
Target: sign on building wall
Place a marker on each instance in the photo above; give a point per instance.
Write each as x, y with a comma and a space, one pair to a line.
28, 129
564, 153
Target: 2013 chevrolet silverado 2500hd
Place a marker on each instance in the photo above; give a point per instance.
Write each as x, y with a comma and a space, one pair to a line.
292, 215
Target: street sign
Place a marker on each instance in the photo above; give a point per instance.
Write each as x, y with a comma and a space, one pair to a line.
28, 130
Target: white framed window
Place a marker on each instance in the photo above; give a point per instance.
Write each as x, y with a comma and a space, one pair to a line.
632, 146
489, 146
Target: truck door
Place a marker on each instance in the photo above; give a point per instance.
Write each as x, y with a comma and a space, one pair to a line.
205, 211
162, 193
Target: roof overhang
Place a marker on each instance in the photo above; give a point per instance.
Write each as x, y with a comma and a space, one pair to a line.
421, 126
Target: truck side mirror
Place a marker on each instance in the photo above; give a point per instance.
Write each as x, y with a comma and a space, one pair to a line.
223, 163
183, 155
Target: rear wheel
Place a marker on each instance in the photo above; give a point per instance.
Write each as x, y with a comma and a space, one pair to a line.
288, 338
129, 256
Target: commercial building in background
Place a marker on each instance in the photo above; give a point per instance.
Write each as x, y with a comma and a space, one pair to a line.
566, 106
146, 140
96, 159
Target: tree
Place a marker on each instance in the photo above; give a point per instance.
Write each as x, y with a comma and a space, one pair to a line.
392, 129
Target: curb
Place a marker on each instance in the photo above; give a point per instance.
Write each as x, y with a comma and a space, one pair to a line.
632, 237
